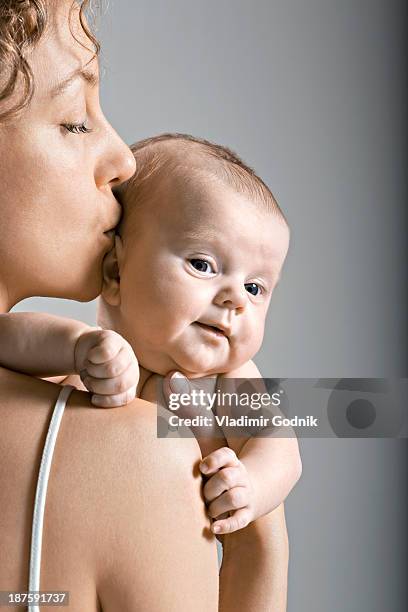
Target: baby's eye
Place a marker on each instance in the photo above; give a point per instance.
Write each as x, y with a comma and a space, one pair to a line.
203, 266
253, 288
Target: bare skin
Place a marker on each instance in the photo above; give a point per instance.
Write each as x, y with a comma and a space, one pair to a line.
207, 256
52, 347
190, 298
163, 322
56, 195
265, 541
112, 535
259, 581
254, 571
196, 266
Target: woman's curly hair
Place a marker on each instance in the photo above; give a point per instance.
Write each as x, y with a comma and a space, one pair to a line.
22, 23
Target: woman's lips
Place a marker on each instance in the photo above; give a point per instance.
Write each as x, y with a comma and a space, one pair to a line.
110, 235
109, 240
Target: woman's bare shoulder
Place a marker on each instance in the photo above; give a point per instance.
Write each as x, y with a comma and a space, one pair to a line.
115, 490
15, 386
27, 403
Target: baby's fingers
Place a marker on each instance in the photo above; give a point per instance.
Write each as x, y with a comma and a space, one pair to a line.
222, 457
240, 519
234, 499
112, 386
106, 349
224, 480
114, 401
114, 367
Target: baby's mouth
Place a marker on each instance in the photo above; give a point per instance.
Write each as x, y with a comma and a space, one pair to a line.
214, 329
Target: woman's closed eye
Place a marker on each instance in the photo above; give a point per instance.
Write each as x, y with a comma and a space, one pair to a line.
77, 128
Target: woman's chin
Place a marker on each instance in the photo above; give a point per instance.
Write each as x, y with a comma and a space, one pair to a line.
88, 291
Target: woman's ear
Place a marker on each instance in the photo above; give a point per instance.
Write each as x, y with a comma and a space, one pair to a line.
111, 273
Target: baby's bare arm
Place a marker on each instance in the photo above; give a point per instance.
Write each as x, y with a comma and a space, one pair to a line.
255, 474
44, 345
39, 344
247, 477
253, 576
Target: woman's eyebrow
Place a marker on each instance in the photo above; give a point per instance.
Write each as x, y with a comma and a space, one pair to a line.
89, 76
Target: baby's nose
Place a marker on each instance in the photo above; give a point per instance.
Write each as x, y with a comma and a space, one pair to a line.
232, 297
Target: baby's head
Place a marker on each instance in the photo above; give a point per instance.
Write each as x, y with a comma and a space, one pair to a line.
200, 249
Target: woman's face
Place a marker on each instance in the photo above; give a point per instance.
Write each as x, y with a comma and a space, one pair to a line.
59, 160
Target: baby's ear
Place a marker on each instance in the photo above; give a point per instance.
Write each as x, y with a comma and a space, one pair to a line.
111, 274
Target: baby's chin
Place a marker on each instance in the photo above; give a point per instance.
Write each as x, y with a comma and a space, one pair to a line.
190, 367
201, 364
194, 372
198, 363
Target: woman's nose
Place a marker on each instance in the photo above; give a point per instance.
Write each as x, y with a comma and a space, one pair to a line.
232, 297
116, 164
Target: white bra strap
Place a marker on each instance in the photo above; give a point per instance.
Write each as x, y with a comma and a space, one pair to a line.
41, 493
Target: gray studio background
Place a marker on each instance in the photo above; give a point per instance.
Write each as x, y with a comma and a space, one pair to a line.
312, 94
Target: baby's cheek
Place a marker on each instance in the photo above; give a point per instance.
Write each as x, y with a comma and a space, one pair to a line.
253, 340
169, 286
240, 352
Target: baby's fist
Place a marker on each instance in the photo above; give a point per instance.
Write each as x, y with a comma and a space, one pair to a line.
227, 490
107, 366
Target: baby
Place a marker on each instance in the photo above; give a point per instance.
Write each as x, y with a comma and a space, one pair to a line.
199, 250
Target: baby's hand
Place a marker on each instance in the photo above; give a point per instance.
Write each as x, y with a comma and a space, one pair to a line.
228, 489
107, 366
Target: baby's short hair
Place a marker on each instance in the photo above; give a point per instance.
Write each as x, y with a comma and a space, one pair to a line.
194, 159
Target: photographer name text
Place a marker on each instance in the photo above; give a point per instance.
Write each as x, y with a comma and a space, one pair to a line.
243, 421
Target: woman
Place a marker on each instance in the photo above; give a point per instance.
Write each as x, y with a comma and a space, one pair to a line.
113, 536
